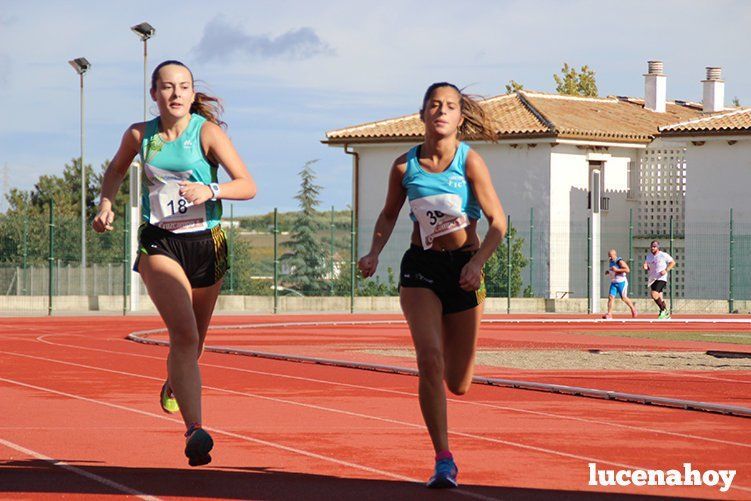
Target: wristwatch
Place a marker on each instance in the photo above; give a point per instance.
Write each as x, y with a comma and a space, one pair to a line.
214, 187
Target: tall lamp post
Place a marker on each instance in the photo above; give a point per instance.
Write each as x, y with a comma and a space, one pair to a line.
143, 31
82, 65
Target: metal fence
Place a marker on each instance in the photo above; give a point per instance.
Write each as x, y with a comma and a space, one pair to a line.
40, 258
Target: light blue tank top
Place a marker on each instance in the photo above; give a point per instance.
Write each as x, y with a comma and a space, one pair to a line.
420, 183
167, 163
616, 277
441, 202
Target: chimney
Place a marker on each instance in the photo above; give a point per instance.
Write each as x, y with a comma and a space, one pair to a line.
655, 87
714, 90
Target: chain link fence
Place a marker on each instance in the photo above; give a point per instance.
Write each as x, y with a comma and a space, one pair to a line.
287, 254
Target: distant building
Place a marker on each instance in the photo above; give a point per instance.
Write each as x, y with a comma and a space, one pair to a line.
555, 152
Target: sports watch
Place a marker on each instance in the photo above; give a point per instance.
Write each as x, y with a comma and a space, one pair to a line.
214, 190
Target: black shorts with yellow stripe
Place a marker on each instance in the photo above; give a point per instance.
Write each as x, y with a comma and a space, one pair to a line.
440, 271
201, 254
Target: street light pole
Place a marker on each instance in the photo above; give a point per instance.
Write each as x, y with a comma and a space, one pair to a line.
143, 31
82, 65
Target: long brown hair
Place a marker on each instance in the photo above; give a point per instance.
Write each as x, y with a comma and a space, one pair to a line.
477, 123
207, 106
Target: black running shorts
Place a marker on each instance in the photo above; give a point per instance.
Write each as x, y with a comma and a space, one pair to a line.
202, 254
440, 271
658, 285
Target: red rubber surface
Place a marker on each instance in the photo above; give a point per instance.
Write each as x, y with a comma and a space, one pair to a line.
74, 390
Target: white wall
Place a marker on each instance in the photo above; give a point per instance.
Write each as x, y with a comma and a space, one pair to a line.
718, 179
519, 174
552, 180
569, 174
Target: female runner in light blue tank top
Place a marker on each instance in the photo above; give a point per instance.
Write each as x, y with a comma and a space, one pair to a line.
180, 151
441, 280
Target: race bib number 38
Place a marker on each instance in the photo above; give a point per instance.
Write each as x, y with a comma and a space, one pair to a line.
169, 210
438, 215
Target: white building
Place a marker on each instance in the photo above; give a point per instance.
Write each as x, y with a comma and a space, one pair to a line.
718, 153
555, 152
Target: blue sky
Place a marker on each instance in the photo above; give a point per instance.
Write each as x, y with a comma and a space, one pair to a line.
290, 70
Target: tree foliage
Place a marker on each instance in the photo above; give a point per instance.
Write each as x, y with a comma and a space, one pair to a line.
25, 225
496, 268
513, 86
306, 258
576, 83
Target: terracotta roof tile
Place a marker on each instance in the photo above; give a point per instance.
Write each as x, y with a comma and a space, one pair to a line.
535, 114
734, 122
510, 114
609, 119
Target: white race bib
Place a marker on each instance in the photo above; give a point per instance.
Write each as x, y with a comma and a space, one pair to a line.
438, 215
169, 210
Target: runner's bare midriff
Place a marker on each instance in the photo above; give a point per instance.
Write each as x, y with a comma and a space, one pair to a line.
465, 239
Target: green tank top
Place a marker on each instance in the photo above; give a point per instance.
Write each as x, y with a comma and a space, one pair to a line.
165, 165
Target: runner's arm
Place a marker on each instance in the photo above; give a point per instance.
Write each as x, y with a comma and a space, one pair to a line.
219, 149
114, 175
386, 221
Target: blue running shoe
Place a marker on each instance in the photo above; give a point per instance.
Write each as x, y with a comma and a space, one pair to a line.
444, 476
198, 444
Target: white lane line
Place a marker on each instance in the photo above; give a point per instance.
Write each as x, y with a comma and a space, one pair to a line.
78, 471
404, 393
327, 409
218, 431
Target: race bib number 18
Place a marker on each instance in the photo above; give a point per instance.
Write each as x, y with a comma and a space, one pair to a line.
169, 210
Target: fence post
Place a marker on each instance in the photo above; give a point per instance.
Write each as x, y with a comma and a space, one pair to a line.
631, 239
672, 286
589, 266
731, 305
352, 262
126, 260
276, 262
331, 255
531, 253
51, 258
231, 248
25, 255
508, 264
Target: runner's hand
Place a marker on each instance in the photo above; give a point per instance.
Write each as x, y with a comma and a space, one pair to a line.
471, 275
103, 221
195, 193
368, 264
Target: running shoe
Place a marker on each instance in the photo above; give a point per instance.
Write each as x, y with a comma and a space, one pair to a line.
444, 476
198, 444
664, 315
167, 399
607, 316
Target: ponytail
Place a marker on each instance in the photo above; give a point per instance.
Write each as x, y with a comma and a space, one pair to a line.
208, 107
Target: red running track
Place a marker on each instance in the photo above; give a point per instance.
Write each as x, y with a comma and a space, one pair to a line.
81, 419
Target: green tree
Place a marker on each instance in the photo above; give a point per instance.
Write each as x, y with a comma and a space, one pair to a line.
736, 102
576, 83
307, 259
513, 86
496, 268
365, 286
25, 224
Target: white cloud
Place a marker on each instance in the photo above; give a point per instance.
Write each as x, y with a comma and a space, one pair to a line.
223, 41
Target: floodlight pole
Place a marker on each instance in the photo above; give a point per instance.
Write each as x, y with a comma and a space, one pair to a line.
144, 31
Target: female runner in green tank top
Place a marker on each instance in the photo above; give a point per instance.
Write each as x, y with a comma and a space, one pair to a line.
182, 249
